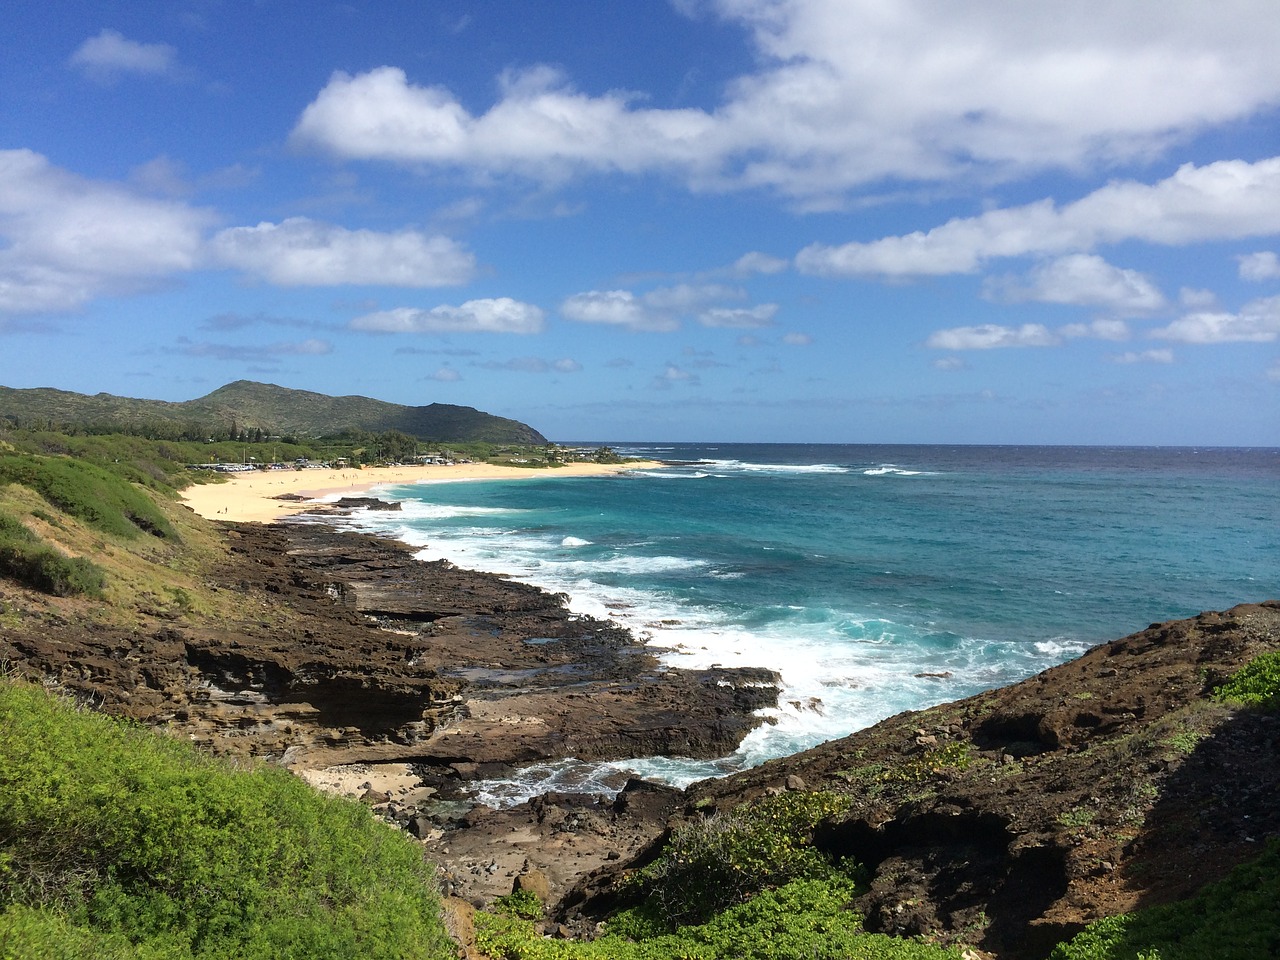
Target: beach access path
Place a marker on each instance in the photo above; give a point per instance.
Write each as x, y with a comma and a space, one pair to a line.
253, 496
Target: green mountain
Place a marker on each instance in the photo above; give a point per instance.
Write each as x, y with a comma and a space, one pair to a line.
277, 411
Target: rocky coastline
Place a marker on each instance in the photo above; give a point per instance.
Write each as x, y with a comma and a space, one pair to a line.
1008, 820
400, 682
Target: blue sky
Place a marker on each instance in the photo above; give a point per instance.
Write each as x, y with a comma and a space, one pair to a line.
924, 221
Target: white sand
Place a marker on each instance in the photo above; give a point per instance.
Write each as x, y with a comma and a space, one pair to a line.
249, 497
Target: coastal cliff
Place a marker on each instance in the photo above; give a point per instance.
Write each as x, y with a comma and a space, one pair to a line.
1011, 819
348, 650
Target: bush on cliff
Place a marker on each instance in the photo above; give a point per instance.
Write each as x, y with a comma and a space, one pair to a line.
1256, 684
801, 920
719, 861
23, 557
116, 841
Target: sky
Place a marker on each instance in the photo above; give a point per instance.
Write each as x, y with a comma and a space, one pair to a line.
915, 221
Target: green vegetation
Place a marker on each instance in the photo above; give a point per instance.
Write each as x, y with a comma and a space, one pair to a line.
23, 557
714, 863
1237, 919
1256, 684
248, 412
801, 920
103, 499
118, 842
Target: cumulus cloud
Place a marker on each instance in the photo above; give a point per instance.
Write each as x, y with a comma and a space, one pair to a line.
1263, 265
1097, 329
617, 308
110, 54
445, 375
990, 336
304, 252
1230, 199
848, 95
662, 308
65, 240
1081, 279
498, 315
1257, 322
949, 363
795, 339
753, 263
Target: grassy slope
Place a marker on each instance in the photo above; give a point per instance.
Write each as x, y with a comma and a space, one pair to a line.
111, 834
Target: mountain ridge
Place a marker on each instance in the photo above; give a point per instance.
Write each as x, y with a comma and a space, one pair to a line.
268, 407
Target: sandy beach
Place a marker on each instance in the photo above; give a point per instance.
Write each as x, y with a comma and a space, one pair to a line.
251, 497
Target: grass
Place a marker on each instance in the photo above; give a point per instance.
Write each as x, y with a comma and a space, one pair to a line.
116, 841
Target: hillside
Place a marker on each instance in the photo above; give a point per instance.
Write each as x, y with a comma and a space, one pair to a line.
275, 410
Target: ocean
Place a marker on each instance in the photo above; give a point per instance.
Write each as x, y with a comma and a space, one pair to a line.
874, 579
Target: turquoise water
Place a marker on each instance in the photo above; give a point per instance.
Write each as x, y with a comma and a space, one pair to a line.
874, 579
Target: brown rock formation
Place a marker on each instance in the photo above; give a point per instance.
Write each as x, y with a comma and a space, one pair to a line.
1014, 817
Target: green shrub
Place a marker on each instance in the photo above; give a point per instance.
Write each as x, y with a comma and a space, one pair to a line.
711, 864
109, 832
1256, 684
802, 920
90, 493
25, 559
1236, 919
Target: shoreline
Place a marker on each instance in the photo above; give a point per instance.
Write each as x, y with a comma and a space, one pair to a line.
254, 496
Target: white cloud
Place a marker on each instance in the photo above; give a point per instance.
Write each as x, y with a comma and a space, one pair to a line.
750, 264
65, 240
499, 315
673, 374
1230, 199
1196, 299
1081, 279
990, 336
661, 308
618, 308
1257, 322
445, 375
1097, 330
1263, 265
797, 339
111, 54
850, 93
1161, 355
741, 318
1273, 372
303, 252
950, 363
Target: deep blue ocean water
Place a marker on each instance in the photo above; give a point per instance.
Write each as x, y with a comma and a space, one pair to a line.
874, 578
